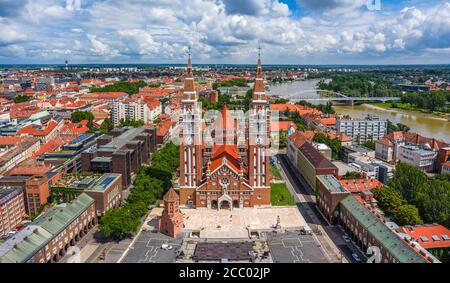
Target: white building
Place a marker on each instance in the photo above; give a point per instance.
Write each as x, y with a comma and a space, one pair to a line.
421, 157
129, 109
369, 127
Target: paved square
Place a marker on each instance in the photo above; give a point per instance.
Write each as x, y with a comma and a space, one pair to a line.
235, 223
291, 247
147, 249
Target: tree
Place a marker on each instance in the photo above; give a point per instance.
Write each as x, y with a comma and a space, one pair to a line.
410, 182
128, 87
352, 175
282, 137
150, 185
78, 116
408, 215
389, 200
436, 207
106, 126
21, 98
370, 143
131, 123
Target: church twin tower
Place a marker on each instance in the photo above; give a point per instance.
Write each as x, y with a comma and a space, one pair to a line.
228, 166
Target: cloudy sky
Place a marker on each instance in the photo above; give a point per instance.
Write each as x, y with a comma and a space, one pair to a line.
225, 31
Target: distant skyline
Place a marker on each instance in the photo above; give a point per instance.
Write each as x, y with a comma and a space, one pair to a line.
298, 32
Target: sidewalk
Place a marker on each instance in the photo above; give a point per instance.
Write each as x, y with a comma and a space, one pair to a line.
329, 247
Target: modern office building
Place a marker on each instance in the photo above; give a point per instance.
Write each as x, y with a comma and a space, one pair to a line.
123, 152
105, 189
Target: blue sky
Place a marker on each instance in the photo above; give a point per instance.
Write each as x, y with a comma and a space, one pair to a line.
225, 31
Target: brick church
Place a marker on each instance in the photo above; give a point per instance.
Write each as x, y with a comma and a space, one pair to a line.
226, 165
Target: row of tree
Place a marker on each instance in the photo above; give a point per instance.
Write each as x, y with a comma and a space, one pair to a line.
149, 186
360, 85
128, 87
412, 188
432, 101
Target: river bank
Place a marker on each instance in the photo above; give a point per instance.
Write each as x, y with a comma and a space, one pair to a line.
425, 124
387, 106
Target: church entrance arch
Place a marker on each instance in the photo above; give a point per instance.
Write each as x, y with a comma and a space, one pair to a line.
225, 204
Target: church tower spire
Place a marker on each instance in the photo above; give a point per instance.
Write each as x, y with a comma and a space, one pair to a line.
259, 90
191, 155
259, 139
189, 89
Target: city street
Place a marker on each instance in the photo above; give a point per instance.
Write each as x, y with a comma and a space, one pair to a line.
330, 236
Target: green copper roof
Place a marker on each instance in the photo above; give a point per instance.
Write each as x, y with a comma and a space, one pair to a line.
332, 184
24, 244
390, 241
58, 217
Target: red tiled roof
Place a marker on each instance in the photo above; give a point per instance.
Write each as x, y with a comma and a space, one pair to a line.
24, 170
298, 139
75, 128
424, 235
10, 140
229, 152
35, 130
105, 95
360, 185
281, 125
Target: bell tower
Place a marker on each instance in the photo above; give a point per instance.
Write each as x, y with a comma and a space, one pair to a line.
259, 139
191, 164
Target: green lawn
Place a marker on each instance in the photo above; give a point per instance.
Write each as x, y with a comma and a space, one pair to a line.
280, 195
275, 172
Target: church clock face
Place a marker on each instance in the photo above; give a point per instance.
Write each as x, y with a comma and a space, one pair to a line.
258, 140
188, 140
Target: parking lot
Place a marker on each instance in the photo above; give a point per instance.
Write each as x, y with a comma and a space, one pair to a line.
147, 249
292, 247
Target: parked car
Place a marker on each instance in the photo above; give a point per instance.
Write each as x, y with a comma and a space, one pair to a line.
166, 247
356, 257
346, 238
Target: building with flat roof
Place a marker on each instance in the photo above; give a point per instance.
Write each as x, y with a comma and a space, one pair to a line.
49, 237
330, 193
362, 130
36, 190
105, 189
122, 152
421, 157
12, 209
359, 149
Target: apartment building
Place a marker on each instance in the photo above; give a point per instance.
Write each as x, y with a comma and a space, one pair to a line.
136, 109
362, 130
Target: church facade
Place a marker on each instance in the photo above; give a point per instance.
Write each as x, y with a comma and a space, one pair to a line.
225, 164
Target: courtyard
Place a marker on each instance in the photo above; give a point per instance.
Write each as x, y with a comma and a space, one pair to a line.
237, 223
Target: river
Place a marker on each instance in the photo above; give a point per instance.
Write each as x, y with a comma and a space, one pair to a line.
424, 124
